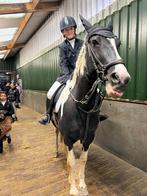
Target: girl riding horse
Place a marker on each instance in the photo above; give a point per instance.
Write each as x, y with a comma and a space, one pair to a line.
98, 65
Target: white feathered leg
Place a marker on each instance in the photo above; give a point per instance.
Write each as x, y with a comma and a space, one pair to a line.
82, 163
71, 161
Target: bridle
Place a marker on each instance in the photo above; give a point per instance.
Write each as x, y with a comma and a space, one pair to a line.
100, 68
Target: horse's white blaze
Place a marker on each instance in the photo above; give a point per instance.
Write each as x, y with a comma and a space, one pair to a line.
112, 41
82, 163
119, 68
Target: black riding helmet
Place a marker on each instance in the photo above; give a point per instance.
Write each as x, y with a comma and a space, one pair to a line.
66, 22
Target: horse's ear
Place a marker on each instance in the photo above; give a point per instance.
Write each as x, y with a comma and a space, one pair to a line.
110, 26
85, 23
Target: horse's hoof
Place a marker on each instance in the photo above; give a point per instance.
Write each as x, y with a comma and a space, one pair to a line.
74, 191
56, 155
83, 191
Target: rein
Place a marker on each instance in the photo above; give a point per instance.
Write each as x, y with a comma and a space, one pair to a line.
87, 97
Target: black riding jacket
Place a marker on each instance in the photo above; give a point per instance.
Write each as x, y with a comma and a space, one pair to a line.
7, 108
67, 58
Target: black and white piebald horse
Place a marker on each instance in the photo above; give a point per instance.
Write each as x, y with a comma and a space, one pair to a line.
98, 65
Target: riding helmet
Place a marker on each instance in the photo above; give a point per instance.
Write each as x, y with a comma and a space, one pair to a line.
66, 22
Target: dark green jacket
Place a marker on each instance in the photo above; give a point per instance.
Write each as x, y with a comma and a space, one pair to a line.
67, 58
7, 108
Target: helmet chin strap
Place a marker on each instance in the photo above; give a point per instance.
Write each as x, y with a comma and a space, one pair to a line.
70, 39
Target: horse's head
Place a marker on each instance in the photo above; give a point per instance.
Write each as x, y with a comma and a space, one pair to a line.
102, 46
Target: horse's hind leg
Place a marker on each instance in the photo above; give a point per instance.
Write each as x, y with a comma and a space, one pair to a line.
71, 161
57, 143
60, 139
82, 163
63, 146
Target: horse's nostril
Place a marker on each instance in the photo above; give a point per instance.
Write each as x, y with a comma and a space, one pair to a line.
126, 80
115, 78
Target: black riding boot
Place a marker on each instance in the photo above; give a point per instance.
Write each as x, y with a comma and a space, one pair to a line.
47, 117
1, 145
8, 137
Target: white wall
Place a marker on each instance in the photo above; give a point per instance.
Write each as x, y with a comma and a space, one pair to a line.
49, 33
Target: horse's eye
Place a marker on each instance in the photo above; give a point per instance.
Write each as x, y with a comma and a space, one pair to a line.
95, 42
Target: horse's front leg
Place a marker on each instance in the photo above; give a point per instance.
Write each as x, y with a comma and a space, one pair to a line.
82, 163
72, 178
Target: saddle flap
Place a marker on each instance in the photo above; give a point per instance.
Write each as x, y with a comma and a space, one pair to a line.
56, 103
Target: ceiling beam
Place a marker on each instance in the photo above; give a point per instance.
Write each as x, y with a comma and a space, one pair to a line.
4, 43
22, 25
28, 7
48, 6
7, 47
9, 22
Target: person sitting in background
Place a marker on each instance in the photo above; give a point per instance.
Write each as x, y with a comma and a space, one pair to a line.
6, 118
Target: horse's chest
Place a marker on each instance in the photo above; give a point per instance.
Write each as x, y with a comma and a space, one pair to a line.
74, 123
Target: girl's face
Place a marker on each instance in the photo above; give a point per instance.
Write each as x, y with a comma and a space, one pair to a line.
69, 33
3, 97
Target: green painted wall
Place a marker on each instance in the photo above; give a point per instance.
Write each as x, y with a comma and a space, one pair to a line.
129, 24
40, 73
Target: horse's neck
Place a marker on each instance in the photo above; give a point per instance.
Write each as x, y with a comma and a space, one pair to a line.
82, 87
84, 75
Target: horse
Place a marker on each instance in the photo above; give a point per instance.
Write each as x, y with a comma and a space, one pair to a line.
99, 68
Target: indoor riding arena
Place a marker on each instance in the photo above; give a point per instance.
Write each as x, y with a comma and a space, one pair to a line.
73, 97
